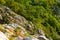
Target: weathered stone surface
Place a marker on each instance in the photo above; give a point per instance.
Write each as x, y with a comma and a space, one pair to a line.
3, 36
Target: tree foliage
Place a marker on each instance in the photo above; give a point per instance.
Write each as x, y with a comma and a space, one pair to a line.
43, 13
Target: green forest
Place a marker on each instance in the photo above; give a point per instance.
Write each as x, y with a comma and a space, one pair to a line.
45, 14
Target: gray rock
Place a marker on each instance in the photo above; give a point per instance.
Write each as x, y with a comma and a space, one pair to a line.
35, 39
27, 38
40, 32
19, 38
41, 37
11, 26
14, 25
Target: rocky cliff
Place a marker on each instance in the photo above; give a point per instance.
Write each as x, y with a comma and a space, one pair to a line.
16, 27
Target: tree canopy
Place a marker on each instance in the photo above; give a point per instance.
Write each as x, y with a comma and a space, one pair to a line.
45, 14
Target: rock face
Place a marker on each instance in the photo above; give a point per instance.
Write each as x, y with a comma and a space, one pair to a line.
3, 36
17, 27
